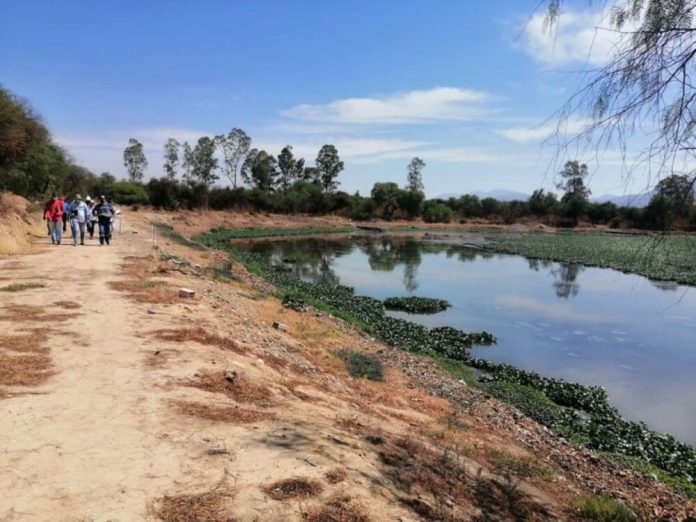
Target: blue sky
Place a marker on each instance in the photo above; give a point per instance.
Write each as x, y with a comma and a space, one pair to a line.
467, 86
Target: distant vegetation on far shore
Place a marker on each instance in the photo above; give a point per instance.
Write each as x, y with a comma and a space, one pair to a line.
33, 165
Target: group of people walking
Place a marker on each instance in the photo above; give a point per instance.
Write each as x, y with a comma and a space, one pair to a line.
83, 215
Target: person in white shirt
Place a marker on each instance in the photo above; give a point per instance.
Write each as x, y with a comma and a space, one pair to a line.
79, 216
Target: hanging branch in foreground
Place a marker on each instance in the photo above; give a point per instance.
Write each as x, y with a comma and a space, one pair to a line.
645, 89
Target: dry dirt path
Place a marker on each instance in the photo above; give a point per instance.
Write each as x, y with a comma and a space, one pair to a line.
90, 443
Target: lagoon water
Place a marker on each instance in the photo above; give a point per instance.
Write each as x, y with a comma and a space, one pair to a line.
596, 326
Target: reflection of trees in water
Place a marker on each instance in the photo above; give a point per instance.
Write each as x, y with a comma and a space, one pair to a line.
309, 258
565, 276
535, 264
665, 286
385, 254
313, 258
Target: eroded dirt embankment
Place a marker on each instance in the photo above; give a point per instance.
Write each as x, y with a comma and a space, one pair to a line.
142, 405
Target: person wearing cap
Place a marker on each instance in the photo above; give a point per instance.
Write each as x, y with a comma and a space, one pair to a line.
53, 214
78, 219
91, 218
104, 212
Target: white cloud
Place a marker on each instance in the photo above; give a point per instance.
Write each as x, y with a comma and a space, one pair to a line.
151, 139
577, 36
540, 132
424, 106
348, 148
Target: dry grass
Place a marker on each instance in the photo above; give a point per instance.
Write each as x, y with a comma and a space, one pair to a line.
294, 487
18, 287
233, 414
147, 291
68, 305
336, 475
32, 343
199, 507
234, 385
20, 313
338, 509
24, 370
198, 335
24, 360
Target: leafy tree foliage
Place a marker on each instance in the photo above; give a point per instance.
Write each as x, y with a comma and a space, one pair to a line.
330, 166
542, 203
187, 162
415, 175
387, 197
134, 160
171, 157
290, 169
434, 212
31, 164
260, 170
235, 146
204, 162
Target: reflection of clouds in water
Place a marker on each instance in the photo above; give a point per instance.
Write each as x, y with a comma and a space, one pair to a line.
667, 403
550, 310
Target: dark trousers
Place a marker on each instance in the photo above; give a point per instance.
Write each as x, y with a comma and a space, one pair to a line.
104, 230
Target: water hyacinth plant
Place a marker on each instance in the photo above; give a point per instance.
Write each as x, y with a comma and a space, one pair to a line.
416, 305
553, 402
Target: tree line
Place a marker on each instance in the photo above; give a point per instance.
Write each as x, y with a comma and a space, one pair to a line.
33, 165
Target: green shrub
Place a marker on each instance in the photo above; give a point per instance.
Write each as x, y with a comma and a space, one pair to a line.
434, 212
416, 305
127, 193
360, 365
603, 509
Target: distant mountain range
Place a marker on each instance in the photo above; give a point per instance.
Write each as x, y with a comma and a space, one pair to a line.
626, 200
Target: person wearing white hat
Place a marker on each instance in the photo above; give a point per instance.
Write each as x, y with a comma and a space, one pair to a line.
79, 215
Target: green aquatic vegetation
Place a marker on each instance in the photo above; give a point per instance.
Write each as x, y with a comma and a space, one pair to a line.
416, 305
168, 231
555, 403
601, 508
678, 484
666, 257
360, 365
552, 402
221, 234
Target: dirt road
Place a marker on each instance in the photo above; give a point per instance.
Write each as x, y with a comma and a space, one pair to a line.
91, 442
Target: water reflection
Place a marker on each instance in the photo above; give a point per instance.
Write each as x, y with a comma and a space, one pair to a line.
313, 258
630, 335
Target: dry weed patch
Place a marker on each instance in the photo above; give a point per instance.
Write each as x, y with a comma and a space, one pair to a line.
18, 287
200, 507
222, 413
336, 475
68, 305
21, 313
24, 370
24, 343
198, 335
295, 487
338, 509
146, 291
234, 385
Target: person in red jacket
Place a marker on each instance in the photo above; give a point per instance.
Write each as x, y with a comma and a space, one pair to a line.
53, 214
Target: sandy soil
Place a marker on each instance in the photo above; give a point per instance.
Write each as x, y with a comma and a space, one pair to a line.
147, 406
